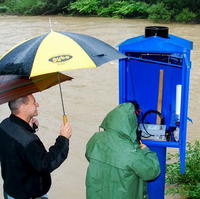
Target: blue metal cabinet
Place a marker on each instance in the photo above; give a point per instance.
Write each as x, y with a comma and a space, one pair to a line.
151, 57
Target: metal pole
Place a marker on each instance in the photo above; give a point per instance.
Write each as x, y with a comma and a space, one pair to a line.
63, 107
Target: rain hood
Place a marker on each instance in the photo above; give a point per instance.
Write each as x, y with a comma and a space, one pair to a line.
122, 120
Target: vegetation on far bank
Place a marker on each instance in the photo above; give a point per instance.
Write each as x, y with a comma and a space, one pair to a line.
187, 185
187, 11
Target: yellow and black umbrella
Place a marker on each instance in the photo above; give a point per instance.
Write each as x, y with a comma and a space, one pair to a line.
56, 52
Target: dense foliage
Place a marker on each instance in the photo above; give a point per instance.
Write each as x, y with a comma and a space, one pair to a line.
187, 185
34, 7
156, 10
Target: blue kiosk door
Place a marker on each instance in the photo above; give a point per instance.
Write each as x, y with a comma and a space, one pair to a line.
156, 75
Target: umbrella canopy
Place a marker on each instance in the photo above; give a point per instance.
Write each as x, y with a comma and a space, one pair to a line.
14, 86
55, 52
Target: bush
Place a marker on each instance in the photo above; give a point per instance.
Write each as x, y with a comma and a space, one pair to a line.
186, 16
159, 13
134, 9
36, 7
192, 5
110, 9
85, 7
3, 9
187, 185
24, 7
56, 6
20, 6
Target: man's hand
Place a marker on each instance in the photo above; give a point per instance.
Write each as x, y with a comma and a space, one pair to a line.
34, 122
142, 146
66, 130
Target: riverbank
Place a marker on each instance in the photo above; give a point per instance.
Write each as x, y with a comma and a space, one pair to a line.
162, 11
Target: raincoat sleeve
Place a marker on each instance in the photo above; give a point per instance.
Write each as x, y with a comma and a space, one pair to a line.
47, 161
146, 164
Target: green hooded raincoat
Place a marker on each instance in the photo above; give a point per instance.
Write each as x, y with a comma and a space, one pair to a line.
118, 168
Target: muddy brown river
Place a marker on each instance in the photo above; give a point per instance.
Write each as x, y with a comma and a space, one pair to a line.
93, 92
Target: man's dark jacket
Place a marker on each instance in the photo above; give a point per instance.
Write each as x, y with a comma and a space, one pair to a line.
25, 164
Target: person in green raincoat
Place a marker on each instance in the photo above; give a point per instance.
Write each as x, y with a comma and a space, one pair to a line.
118, 165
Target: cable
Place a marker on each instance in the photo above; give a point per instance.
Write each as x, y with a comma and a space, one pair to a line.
143, 119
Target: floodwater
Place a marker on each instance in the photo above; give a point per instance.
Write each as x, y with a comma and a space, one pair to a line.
93, 92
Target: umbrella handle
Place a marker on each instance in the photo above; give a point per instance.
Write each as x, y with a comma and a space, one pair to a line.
65, 119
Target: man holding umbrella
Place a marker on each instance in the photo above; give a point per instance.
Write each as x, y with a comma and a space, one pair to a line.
25, 163
36, 58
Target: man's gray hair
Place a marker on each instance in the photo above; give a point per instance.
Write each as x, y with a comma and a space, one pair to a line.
15, 104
